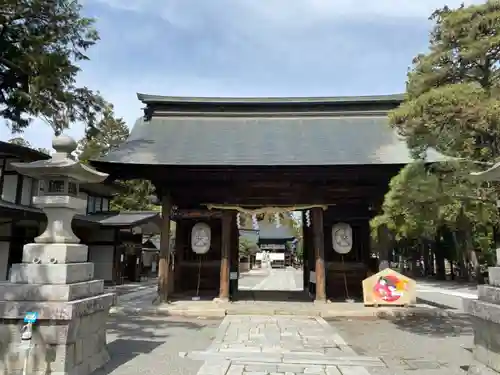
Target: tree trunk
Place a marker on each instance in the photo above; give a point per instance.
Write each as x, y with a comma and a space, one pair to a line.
415, 256
496, 240
440, 260
426, 256
461, 256
472, 253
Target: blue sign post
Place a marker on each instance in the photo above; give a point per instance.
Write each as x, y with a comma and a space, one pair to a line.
30, 317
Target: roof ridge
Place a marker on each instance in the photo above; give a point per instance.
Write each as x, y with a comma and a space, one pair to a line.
149, 99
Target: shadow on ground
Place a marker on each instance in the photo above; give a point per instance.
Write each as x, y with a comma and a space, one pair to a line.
122, 351
438, 326
434, 326
147, 327
130, 336
450, 285
272, 295
425, 301
124, 289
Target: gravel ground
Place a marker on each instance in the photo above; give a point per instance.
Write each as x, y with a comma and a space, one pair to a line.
151, 345
418, 346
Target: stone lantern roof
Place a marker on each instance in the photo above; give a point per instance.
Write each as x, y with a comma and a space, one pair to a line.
61, 177
61, 164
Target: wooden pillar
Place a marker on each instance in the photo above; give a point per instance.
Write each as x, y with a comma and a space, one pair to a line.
234, 258
179, 254
164, 261
225, 256
305, 251
116, 257
383, 244
319, 253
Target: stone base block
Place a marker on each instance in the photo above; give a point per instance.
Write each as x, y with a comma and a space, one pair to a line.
482, 310
494, 276
82, 356
57, 310
488, 293
59, 252
487, 342
36, 292
70, 339
30, 273
481, 370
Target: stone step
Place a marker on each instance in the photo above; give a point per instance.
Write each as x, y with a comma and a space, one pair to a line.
489, 293
32, 273
482, 310
60, 310
55, 253
50, 292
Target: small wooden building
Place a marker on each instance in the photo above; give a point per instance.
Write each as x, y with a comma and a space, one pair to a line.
274, 240
333, 157
114, 238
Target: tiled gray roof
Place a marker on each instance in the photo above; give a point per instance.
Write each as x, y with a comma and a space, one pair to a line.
22, 152
263, 141
159, 99
121, 219
110, 219
13, 208
269, 231
187, 131
250, 234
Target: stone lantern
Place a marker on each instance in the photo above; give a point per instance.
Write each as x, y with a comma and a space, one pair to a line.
55, 280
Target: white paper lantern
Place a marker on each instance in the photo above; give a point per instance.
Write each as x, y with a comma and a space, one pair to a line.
342, 238
201, 236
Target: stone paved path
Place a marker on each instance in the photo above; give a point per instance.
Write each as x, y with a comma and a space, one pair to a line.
285, 279
280, 279
280, 345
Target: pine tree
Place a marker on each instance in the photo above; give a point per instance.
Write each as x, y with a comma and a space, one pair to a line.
107, 135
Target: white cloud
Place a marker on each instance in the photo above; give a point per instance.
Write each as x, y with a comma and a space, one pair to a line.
282, 13
245, 47
123, 94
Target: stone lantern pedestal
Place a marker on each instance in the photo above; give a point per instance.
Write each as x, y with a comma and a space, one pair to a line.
55, 280
485, 313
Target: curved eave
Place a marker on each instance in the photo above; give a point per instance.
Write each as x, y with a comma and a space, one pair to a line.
159, 99
75, 170
18, 151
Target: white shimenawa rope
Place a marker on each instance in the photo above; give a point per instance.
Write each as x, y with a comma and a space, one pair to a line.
264, 210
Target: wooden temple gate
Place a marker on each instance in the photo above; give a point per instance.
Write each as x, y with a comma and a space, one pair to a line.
330, 272
335, 155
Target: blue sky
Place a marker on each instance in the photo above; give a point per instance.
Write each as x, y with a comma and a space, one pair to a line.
248, 48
